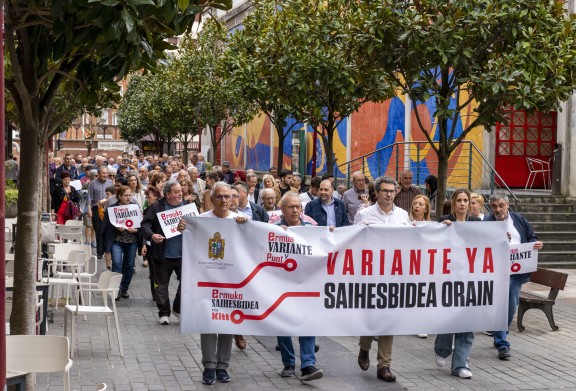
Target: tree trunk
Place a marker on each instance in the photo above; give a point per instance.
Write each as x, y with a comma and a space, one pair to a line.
442, 181
328, 141
280, 158
22, 321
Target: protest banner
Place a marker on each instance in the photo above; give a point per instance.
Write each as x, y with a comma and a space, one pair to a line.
169, 219
523, 258
125, 216
257, 279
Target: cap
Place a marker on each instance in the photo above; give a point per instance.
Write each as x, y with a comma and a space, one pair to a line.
225, 163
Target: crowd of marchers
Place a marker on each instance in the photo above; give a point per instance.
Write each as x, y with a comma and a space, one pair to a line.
83, 188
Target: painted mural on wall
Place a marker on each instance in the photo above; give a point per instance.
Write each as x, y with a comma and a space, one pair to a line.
376, 126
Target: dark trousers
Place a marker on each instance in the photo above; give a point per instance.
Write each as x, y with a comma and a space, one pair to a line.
98, 231
162, 272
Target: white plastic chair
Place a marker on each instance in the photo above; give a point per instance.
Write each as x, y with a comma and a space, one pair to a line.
71, 233
38, 310
39, 353
535, 167
66, 273
108, 284
10, 268
61, 250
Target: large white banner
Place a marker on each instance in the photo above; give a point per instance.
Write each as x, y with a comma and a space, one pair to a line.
257, 279
125, 216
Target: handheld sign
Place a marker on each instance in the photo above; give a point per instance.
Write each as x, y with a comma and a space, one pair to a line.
125, 216
169, 219
523, 258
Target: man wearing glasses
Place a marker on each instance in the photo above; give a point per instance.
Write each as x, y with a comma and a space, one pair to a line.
291, 209
216, 348
382, 212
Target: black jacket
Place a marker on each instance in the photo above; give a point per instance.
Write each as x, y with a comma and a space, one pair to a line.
150, 225
451, 217
259, 213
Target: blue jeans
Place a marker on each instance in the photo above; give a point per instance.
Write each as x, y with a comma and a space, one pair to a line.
123, 258
516, 282
462, 346
307, 357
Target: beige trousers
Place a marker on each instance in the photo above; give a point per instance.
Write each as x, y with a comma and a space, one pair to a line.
384, 355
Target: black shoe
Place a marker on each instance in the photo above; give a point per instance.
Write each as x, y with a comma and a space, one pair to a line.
119, 296
277, 348
363, 359
316, 348
222, 376
504, 353
311, 373
209, 376
287, 371
124, 294
385, 374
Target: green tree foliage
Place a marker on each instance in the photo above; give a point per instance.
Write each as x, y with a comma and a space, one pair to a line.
248, 56
305, 59
160, 104
496, 53
80, 46
218, 100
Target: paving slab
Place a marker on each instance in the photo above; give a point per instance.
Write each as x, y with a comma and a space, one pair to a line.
158, 357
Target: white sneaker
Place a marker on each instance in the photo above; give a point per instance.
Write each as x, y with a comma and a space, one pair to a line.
440, 361
164, 320
464, 373
422, 335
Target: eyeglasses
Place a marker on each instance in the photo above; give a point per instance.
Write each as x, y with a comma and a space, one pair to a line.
387, 191
235, 196
222, 197
292, 206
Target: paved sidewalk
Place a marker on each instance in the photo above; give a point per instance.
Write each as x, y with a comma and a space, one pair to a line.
159, 358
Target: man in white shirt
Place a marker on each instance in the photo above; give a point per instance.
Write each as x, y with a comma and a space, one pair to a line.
312, 192
382, 212
216, 348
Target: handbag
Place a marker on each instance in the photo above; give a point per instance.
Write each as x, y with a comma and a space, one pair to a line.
73, 211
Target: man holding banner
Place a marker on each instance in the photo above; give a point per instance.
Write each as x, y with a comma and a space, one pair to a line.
291, 209
216, 348
382, 212
159, 227
519, 231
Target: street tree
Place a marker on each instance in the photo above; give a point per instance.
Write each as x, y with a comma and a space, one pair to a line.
306, 57
83, 46
248, 55
158, 104
218, 100
484, 56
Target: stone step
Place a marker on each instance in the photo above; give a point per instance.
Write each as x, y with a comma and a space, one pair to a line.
541, 208
540, 226
559, 245
556, 257
550, 216
541, 199
547, 236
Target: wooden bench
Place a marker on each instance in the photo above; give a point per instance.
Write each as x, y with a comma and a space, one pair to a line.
555, 281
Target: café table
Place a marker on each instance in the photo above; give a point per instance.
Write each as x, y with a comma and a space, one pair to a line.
40, 287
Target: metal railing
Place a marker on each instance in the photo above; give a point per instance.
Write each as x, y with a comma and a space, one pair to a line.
468, 167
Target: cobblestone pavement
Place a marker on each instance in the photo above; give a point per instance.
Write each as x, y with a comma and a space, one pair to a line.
159, 358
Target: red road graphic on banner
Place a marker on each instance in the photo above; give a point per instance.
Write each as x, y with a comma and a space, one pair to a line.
238, 316
288, 265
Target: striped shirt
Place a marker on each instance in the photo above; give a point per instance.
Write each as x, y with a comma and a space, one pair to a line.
97, 190
404, 198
